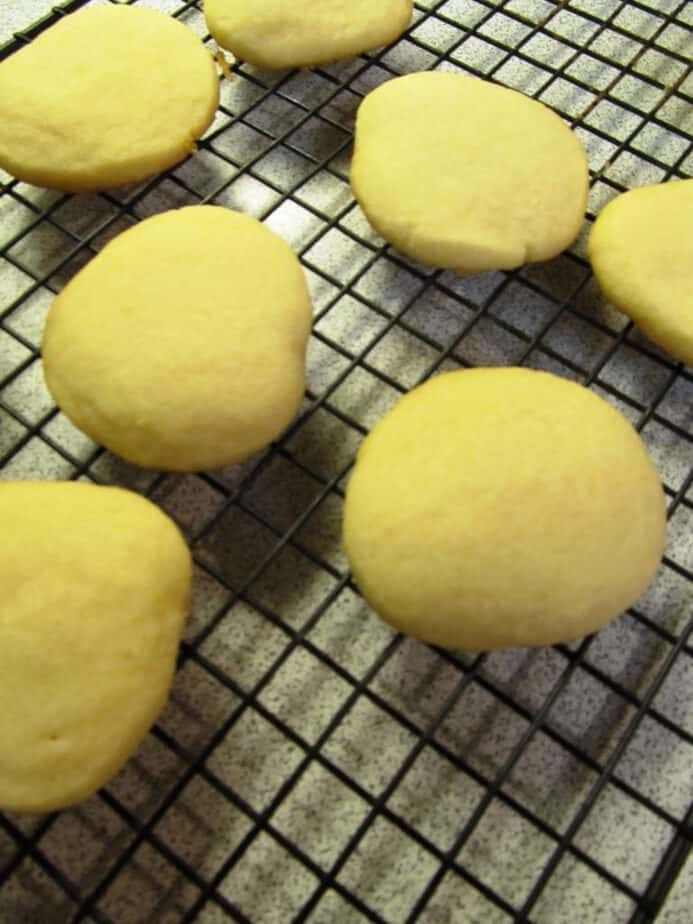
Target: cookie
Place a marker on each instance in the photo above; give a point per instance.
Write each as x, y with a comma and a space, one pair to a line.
641, 249
502, 507
303, 33
459, 173
95, 588
107, 96
182, 345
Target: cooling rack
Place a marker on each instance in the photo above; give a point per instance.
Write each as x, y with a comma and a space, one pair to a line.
312, 765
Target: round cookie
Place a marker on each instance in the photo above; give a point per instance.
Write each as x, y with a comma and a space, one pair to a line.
182, 345
641, 249
303, 33
500, 507
108, 95
95, 588
460, 173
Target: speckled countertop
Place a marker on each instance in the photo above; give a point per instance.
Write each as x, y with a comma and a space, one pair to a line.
310, 764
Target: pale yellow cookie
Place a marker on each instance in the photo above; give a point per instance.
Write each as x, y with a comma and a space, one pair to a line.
641, 248
95, 586
303, 33
182, 345
500, 507
460, 173
107, 96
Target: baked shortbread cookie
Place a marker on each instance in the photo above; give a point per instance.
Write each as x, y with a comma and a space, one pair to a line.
107, 96
501, 507
182, 345
641, 248
95, 588
303, 33
460, 173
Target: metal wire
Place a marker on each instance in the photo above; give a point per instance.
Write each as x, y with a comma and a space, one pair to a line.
266, 545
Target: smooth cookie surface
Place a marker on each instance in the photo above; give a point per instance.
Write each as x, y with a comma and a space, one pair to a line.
641, 249
182, 345
460, 173
303, 33
95, 587
500, 507
107, 96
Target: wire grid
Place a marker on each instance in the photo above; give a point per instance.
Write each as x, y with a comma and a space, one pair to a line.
312, 765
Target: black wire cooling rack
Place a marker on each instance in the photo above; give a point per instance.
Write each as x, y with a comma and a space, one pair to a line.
312, 765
